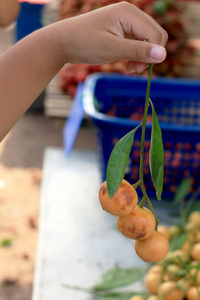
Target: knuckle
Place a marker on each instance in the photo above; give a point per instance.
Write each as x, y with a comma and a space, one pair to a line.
139, 52
165, 35
125, 5
159, 36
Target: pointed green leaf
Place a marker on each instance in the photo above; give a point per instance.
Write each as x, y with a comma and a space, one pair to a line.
156, 154
183, 190
117, 277
118, 162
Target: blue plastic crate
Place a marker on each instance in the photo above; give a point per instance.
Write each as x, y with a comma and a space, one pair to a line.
115, 104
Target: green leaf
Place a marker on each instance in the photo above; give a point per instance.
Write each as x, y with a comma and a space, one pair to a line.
118, 161
183, 190
6, 243
156, 155
117, 277
195, 206
177, 242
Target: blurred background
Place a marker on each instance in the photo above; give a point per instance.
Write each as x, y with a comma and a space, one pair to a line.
22, 151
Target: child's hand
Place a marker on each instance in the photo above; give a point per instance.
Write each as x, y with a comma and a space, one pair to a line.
116, 32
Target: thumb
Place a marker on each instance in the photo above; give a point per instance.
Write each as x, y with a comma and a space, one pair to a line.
140, 51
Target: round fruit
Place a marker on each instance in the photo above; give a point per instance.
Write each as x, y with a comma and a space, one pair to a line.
165, 230
123, 201
153, 297
187, 245
195, 275
153, 281
137, 225
194, 217
195, 252
152, 249
169, 291
174, 230
193, 293
155, 269
137, 297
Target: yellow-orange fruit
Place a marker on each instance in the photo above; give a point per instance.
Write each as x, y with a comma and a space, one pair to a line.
123, 201
195, 252
152, 282
197, 237
175, 230
153, 297
155, 269
187, 246
193, 293
152, 249
169, 291
137, 225
176, 257
194, 217
137, 297
195, 276
165, 230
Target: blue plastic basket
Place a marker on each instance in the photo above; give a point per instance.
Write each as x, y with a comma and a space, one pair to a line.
115, 104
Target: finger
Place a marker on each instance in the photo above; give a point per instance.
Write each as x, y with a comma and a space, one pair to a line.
142, 26
133, 66
163, 33
138, 51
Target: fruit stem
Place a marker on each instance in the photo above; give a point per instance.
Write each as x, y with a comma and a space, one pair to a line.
135, 185
152, 210
142, 202
143, 132
141, 179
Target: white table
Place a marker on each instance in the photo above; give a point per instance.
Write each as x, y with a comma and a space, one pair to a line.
78, 241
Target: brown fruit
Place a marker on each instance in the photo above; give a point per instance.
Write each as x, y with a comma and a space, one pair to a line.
123, 201
137, 225
152, 249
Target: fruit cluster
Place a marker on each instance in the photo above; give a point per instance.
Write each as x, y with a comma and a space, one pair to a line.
167, 13
177, 276
135, 222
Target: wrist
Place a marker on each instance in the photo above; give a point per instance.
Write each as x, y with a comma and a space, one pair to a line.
55, 37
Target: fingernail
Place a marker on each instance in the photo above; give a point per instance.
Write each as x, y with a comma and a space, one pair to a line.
158, 53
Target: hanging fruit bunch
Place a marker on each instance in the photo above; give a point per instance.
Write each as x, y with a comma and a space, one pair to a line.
166, 12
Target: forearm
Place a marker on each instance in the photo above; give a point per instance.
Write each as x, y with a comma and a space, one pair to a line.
116, 32
25, 70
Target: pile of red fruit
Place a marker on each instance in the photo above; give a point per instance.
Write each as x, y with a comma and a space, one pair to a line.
166, 12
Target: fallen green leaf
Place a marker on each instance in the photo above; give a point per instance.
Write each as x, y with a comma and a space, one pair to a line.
6, 243
117, 277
